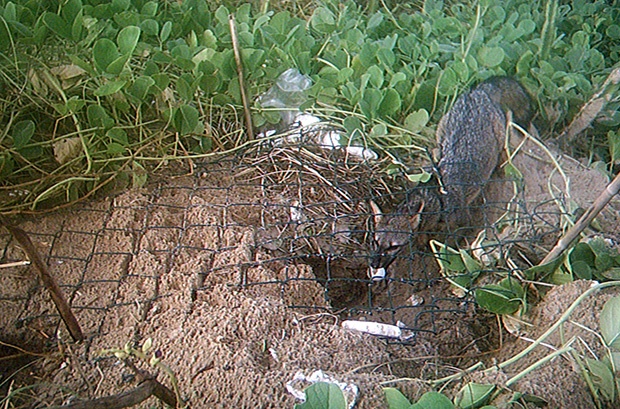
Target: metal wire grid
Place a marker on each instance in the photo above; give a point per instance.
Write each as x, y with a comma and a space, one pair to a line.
224, 225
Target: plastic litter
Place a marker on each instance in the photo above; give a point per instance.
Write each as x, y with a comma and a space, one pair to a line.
287, 94
373, 328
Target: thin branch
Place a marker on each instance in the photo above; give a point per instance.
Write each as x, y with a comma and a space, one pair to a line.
48, 281
244, 97
122, 400
584, 221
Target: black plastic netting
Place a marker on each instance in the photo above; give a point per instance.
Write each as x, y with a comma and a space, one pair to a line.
291, 222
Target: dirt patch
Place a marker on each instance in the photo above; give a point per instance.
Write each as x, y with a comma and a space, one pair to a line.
241, 275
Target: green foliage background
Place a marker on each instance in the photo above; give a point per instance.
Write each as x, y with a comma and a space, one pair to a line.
98, 93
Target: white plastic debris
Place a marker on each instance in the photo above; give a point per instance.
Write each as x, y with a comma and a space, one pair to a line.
373, 328
300, 381
297, 214
286, 95
376, 274
415, 300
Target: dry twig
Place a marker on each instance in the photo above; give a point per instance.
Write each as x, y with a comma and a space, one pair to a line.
601, 201
244, 97
48, 281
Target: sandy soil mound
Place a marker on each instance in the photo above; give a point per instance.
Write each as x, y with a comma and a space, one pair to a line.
241, 275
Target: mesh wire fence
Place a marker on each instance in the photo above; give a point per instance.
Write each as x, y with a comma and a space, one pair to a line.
291, 222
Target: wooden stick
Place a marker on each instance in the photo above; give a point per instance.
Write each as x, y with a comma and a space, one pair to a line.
119, 401
610, 191
48, 281
244, 97
160, 391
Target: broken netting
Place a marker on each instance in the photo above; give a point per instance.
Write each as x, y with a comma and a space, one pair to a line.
281, 220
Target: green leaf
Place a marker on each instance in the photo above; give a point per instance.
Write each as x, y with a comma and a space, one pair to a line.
161, 82
395, 399
140, 87
165, 31
581, 252
104, 53
128, 39
447, 83
22, 132
323, 395
491, 56
186, 86
374, 21
98, 117
58, 25
323, 20
109, 88
433, 400
118, 135
603, 378
186, 119
471, 264
416, 121
139, 175
120, 5
77, 27
498, 299
609, 322
390, 104
376, 77
540, 272
6, 164
421, 177
370, 102
581, 270
114, 148
116, 66
149, 9
448, 258
473, 395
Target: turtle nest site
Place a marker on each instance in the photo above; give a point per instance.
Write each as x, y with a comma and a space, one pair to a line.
241, 272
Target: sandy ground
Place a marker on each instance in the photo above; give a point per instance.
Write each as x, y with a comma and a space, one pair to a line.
241, 275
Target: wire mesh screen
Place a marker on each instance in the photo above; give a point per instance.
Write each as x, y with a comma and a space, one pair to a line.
286, 221
210, 263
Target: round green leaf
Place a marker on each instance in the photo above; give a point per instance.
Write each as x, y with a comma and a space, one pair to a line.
141, 86
491, 56
57, 24
433, 400
116, 66
323, 395
114, 149
149, 8
165, 31
395, 399
109, 88
602, 378
186, 119
98, 117
104, 53
128, 39
22, 132
497, 299
416, 121
473, 395
609, 322
390, 104
376, 76
581, 270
